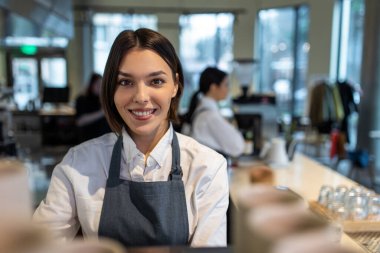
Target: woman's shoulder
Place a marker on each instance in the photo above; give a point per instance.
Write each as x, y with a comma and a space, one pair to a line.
200, 163
101, 142
90, 154
194, 148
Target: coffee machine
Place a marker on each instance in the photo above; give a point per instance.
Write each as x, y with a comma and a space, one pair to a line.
255, 114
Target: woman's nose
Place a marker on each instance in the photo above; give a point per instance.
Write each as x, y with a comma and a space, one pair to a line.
141, 94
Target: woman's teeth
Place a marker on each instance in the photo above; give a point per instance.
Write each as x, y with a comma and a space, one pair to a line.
142, 113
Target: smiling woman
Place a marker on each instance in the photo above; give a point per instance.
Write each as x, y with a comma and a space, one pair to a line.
143, 96
144, 184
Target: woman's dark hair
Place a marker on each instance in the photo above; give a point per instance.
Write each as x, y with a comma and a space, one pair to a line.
210, 75
126, 41
92, 81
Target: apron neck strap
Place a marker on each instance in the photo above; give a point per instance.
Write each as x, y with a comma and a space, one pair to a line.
176, 171
114, 169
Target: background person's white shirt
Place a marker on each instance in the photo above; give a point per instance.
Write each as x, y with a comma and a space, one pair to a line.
211, 129
76, 192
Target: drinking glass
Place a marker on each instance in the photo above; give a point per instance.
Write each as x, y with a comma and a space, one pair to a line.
338, 206
340, 193
357, 204
326, 194
374, 208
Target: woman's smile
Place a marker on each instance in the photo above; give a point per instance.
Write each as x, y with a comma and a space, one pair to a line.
142, 114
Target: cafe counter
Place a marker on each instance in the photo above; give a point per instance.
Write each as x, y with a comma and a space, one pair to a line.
302, 175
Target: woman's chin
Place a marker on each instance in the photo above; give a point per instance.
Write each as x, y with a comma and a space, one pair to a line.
142, 131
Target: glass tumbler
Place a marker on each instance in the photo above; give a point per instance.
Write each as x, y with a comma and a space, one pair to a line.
326, 195
374, 208
357, 204
338, 206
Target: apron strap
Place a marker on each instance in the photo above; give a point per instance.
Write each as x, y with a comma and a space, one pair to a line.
176, 171
114, 171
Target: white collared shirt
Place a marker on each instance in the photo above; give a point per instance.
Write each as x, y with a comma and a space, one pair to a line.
211, 129
77, 187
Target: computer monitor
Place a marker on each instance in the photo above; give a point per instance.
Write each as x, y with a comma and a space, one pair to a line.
56, 95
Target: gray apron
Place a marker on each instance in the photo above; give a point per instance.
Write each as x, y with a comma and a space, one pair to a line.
145, 213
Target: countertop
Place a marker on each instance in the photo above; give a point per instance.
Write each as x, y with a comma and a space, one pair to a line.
304, 176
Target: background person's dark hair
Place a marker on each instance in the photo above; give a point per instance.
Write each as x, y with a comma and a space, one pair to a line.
92, 81
127, 40
211, 75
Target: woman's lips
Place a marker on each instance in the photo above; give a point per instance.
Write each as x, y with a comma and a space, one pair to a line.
142, 114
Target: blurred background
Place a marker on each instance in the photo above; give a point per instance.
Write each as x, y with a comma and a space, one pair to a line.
276, 52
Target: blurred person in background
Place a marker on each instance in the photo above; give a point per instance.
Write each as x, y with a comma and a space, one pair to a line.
90, 118
207, 124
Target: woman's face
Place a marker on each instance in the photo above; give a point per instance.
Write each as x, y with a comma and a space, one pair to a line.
144, 92
222, 89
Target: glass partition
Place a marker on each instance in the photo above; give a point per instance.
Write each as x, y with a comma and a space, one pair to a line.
203, 45
283, 50
350, 43
106, 26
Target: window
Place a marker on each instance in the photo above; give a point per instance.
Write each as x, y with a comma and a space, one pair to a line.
107, 26
283, 50
201, 46
25, 81
32, 73
349, 46
53, 71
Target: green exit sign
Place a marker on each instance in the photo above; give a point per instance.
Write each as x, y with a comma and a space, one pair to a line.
28, 49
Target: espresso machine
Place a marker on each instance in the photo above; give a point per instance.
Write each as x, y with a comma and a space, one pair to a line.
256, 113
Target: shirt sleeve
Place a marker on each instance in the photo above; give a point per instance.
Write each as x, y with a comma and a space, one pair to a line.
57, 212
213, 200
228, 137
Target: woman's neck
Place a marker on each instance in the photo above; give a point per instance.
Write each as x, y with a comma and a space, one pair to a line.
211, 96
146, 143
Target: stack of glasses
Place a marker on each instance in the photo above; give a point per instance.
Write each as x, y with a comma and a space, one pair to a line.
350, 204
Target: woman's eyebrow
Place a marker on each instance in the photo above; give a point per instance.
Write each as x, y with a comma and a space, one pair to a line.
155, 73
124, 74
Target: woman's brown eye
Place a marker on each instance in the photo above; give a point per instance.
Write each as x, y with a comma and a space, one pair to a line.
157, 81
125, 82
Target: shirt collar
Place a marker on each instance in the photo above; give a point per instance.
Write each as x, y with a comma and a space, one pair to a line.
158, 152
129, 146
209, 103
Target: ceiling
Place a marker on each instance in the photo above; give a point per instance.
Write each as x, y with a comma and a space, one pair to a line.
37, 18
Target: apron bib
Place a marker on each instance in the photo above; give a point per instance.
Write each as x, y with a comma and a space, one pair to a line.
145, 213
